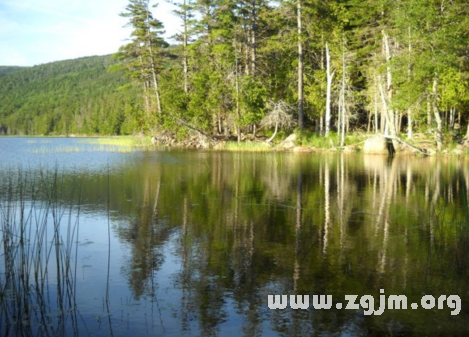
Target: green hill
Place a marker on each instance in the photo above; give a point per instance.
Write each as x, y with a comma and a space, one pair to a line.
5, 70
66, 97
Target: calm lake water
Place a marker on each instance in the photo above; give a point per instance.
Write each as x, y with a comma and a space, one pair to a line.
186, 243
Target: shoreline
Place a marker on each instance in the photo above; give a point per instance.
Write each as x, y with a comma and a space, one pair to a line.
297, 145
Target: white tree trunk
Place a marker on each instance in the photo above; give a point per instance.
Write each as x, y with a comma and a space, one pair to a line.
329, 77
300, 68
253, 38
184, 60
409, 75
273, 136
436, 112
390, 115
409, 123
153, 67
342, 97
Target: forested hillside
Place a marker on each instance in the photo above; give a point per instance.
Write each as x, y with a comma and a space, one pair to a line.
385, 66
8, 70
66, 97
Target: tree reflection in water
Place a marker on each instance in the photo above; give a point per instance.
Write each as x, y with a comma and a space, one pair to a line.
237, 227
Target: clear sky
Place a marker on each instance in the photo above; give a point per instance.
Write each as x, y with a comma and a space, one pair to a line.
41, 31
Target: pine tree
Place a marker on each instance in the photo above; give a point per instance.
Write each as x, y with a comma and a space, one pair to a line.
142, 56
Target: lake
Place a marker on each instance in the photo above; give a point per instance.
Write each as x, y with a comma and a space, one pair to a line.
100, 241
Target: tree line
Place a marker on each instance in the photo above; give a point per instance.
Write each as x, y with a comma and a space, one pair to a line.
253, 67
392, 67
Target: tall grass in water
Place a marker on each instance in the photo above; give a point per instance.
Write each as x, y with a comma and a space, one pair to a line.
247, 147
38, 248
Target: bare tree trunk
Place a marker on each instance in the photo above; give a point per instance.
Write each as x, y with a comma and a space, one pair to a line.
409, 123
153, 67
399, 117
390, 115
376, 113
342, 105
436, 112
155, 86
341, 116
275, 133
378, 126
368, 126
300, 68
253, 37
452, 117
390, 125
146, 86
238, 111
329, 77
409, 75
184, 59
247, 69
429, 111
147, 97
387, 50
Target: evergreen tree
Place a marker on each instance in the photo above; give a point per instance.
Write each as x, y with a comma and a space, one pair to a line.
143, 54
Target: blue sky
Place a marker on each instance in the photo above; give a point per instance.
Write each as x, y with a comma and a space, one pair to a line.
41, 31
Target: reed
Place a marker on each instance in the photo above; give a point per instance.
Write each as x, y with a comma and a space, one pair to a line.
77, 149
247, 146
126, 141
39, 234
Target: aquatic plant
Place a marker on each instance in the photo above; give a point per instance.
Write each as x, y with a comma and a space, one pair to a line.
39, 236
249, 147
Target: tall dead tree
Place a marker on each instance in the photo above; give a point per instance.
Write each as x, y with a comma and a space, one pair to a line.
300, 67
329, 78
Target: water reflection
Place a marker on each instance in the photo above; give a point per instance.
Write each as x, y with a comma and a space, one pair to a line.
247, 226
205, 237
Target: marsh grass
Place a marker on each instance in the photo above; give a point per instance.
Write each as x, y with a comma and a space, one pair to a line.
125, 141
77, 149
39, 233
247, 146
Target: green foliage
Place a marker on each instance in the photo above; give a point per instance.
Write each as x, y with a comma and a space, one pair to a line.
453, 89
315, 93
75, 96
315, 140
5, 70
253, 100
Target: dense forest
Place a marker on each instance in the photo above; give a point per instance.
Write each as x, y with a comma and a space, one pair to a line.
67, 97
252, 66
338, 65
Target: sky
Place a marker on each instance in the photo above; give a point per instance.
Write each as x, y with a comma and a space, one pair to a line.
34, 32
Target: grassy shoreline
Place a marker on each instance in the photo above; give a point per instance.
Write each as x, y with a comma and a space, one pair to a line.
304, 143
